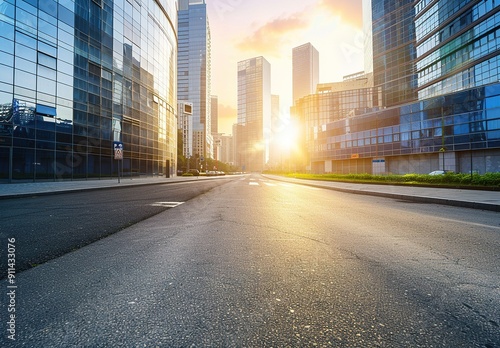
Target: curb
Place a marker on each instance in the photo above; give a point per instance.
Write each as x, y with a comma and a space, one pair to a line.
417, 199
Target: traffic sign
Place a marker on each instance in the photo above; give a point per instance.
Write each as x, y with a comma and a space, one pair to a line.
118, 148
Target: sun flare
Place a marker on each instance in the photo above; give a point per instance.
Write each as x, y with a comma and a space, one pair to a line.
287, 137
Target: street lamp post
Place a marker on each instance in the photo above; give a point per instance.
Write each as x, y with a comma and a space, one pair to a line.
471, 170
442, 149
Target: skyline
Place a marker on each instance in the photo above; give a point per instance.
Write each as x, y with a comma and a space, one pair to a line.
241, 30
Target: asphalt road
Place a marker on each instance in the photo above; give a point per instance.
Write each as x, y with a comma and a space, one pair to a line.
54, 225
258, 263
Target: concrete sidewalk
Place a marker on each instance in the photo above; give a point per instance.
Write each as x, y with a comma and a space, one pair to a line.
15, 190
477, 199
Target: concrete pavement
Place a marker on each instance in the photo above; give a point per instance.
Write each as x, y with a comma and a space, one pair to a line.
477, 199
14, 190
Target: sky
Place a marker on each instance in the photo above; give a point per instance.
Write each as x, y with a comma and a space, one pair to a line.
243, 29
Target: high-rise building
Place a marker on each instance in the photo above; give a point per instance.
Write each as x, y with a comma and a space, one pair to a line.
185, 125
214, 105
226, 153
194, 70
393, 38
78, 76
254, 114
458, 45
305, 74
367, 35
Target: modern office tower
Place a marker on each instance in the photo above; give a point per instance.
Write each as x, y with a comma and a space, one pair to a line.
367, 35
214, 106
305, 66
194, 70
75, 77
393, 37
185, 125
226, 153
457, 45
254, 114
315, 112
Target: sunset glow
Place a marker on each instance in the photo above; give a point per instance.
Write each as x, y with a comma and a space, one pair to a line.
245, 29
286, 138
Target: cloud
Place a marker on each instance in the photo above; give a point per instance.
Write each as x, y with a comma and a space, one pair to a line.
349, 10
270, 37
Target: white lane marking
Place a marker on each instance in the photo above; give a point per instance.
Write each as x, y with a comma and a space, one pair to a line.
252, 183
471, 223
269, 184
166, 204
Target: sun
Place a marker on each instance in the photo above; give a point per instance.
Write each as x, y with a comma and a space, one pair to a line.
286, 138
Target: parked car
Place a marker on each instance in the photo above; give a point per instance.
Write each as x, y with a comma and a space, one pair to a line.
440, 172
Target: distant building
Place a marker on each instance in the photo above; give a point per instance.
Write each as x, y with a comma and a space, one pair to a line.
350, 82
254, 114
214, 105
185, 124
227, 149
224, 148
194, 71
305, 74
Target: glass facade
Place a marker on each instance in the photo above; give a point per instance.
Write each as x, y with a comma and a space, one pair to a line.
393, 39
77, 76
458, 45
194, 70
305, 71
316, 110
254, 114
457, 124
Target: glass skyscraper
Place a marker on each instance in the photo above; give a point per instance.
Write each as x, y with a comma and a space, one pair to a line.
77, 76
194, 71
393, 38
254, 114
305, 66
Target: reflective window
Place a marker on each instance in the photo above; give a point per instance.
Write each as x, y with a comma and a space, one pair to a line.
25, 79
7, 73
46, 60
6, 30
48, 6
6, 59
25, 65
